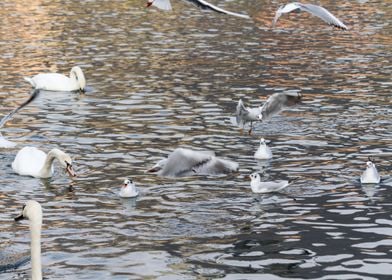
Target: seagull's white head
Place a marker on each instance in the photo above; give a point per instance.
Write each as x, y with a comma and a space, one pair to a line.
369, 164
127, 182
262, 141
254, 177
260, 117
158, 166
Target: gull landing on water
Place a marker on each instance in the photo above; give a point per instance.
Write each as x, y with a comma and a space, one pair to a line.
315, 10
276, 103
166, 5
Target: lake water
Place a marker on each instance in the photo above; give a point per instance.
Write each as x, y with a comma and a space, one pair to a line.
160, 80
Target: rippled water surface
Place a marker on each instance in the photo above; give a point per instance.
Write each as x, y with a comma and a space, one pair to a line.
160, 80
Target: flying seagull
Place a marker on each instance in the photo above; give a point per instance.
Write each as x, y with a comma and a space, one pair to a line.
276, 103
186, 162
166, 5
315, 10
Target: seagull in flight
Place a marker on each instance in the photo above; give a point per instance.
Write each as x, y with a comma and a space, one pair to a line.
276, 103
315, 10
166, 5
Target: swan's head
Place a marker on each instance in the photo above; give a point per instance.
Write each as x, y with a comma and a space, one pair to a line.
158, 166
254, 177
65, 161
149, 3
77, 73
128, 183
31, 210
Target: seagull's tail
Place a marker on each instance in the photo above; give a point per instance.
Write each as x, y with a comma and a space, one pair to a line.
30, 81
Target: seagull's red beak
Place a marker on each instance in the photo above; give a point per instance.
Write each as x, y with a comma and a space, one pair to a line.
149, 3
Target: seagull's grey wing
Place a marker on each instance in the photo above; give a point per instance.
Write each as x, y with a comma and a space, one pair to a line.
283, 10
240, 112
324, 14
182, 161
208, 6
160, 4
274, 186
278, 102
217, 166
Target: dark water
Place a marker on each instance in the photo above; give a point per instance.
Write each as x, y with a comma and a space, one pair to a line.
163, 80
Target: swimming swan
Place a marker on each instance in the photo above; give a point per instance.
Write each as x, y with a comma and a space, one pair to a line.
266, 187
370, 175
59, 82
186, 162
129, 189
33, 162
32, 210
263, 152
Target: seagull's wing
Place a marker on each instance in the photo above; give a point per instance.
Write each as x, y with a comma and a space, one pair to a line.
278, 102
217, 166
324, 14
208, 6
181, 161
160, 4
241, 110
284, 10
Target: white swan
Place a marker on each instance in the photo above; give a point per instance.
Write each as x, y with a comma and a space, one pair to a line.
263, 152
186, 162
315, 10
266, 187
33, 162
166, 5
59, 82
129, 189
370, 175
33, 211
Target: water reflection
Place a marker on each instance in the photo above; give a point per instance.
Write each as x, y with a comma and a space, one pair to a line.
163, 80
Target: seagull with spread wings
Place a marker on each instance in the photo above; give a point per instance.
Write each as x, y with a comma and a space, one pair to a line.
315, 10
166, 5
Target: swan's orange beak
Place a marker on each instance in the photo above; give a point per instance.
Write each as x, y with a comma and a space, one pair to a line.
70, 170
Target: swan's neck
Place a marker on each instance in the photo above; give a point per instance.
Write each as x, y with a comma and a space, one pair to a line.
46, 170
36, 270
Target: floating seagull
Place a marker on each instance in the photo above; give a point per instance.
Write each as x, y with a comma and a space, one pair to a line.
370, 175
32, 210
166, 5
31, 161
59, 82
186, 162
315, 10
276, 103
263, 152
129, 189
266, 187
4, 143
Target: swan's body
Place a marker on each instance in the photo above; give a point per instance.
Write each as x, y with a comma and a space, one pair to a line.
129, 189
266, 187
370, 175
31, 161
185, 162
32, 210
166, 5
315, 10
276, 103
59, 82
263, 152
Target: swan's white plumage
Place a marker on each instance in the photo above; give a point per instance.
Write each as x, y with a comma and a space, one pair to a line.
263, 152
58, 82
30, 161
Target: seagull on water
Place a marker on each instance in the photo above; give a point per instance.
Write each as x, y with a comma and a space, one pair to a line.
276, 103
370, 175
263, 152
128, 189
186, 162
315, 10
266, 187
166, 5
